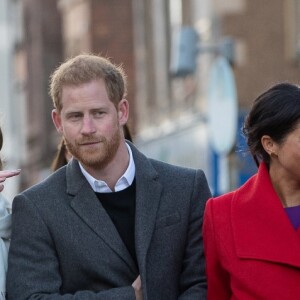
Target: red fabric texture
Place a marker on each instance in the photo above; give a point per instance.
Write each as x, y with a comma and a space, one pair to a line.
252, 250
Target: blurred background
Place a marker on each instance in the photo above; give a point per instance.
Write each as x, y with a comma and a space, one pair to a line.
194, 67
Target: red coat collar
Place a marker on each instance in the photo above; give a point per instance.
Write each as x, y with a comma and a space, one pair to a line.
261, 228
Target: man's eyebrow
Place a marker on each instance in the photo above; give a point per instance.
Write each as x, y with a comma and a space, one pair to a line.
72, 111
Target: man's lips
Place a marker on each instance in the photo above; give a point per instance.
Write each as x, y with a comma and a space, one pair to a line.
89, 143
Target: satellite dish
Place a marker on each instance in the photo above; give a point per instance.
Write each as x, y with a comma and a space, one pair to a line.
222, 106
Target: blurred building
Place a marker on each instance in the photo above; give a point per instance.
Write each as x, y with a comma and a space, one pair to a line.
12, 100
171, 117
266, 39
39, 52
102, 27
168, 113
267, 35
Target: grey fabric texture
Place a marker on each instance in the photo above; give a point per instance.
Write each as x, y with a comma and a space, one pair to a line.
64, 245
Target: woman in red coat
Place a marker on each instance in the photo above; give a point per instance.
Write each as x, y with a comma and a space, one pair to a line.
252, 235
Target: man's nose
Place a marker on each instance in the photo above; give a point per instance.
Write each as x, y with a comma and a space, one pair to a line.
88, 125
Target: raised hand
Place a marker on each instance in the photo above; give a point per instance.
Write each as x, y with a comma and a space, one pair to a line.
6, 174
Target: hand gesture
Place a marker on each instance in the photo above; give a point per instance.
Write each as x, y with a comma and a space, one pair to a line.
6, 174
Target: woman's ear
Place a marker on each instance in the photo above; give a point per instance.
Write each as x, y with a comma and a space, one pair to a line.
268, 144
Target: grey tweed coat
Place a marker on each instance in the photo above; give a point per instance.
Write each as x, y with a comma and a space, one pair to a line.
64, 245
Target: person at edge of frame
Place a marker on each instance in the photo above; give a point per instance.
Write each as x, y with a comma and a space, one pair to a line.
252, 235
5, 223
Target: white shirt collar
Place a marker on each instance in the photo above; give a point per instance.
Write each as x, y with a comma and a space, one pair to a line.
123, 182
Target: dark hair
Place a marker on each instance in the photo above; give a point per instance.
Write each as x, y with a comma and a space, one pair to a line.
276, 113
127, 133
1, 144
60, 157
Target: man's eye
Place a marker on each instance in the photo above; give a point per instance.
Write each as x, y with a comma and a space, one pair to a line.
74, 117
99, 113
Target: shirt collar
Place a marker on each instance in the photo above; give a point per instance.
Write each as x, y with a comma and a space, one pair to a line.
123, 182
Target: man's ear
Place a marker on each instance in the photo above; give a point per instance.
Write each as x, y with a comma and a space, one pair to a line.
123, 111
56, 118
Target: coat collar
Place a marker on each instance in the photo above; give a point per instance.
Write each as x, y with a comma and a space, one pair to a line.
148, 193
87, 206
261, 227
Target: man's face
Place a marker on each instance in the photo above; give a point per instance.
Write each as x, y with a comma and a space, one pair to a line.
90, 123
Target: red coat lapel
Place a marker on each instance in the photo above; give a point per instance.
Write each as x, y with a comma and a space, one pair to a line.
261, 228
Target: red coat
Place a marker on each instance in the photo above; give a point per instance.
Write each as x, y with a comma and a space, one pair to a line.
252, 250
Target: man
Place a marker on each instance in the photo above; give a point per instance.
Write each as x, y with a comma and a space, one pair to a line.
112, 224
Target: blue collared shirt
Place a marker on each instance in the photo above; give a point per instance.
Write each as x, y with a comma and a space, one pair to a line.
123, 182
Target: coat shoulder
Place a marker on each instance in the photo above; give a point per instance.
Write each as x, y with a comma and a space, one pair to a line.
48, 187
174, 170
218, 205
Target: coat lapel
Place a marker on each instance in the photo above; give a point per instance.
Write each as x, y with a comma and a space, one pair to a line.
148, 194
87, 206
261, 227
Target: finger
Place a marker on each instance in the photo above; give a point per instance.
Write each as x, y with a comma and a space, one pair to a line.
9, 173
